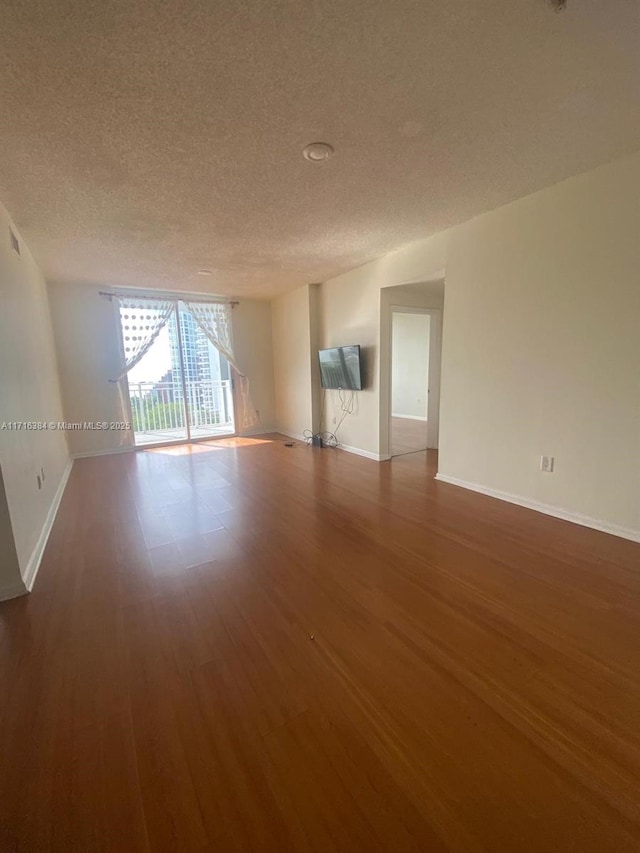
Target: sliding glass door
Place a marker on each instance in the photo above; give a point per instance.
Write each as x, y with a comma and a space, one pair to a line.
157, 409
207, 380
181, 389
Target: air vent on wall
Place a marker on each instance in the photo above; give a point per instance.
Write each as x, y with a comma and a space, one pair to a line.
15, 243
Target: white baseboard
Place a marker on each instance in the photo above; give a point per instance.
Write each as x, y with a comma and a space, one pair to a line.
547, 509
257, 430
295, 435
358, 451
87, 454
31, 572
377, 457
408, 417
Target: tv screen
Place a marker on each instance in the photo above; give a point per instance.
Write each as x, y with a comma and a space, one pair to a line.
340, 368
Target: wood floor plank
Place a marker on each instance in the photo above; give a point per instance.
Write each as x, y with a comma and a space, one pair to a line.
239, 646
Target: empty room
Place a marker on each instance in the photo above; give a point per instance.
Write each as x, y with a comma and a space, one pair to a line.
320, 426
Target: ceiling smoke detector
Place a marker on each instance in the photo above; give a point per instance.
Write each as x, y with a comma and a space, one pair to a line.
317, 152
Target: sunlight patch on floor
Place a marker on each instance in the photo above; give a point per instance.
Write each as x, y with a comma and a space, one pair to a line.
206, 446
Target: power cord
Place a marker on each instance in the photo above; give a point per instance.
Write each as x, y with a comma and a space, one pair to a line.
325, 438
346, 407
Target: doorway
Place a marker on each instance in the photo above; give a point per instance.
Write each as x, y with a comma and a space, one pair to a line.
410, 335
181, 390
415, 379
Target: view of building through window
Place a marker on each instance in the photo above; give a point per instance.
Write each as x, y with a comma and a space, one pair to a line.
181, 388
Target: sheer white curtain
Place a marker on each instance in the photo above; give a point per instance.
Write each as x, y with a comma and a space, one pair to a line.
214, 318
141, 321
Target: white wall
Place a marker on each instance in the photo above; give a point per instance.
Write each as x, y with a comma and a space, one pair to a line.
350, 312
292, 316
88, 357
88, 349
29, 392
330, 314
314, 345
541, 350
252, 341
410, 364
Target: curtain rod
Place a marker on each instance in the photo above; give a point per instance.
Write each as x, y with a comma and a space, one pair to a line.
169, 297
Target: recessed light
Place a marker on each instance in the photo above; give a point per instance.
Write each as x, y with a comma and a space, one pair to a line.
316, 152
205, 272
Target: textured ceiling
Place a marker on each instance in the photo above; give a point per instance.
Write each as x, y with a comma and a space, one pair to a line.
141, 141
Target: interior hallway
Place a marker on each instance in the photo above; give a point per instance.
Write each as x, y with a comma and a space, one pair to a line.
243, 646
408, 435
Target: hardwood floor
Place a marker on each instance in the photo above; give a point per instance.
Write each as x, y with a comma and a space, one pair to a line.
407, 435
248, 647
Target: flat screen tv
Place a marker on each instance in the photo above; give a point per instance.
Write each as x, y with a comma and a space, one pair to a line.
340, 368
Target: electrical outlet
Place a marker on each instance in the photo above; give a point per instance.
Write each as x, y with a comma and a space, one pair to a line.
38, 481
547, 463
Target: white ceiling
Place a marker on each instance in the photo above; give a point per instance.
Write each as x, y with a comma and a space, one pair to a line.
141, 141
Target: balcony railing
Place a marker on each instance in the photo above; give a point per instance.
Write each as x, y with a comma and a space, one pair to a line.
158, 410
